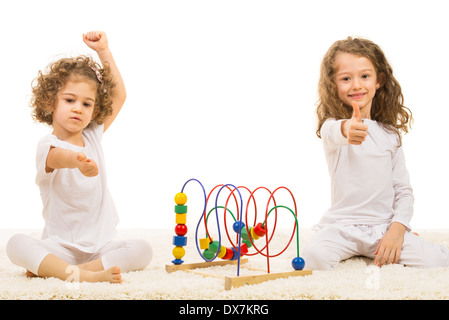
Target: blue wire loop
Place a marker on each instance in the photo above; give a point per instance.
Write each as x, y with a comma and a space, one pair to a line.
218, 222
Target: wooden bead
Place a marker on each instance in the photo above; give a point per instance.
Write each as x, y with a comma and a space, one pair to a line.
259, 230
181, 229
237, 226
180, 209
179, 241
298, 263
245, 234
253, 234
243, 249
177, 261
208, 254
181, 218
204, 243
235, 254
213, 246
178, 252
181, 198
229, 254
222, 252
248, 243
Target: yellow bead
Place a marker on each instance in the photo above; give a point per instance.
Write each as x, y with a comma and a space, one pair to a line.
180, 198
179, 252
181, 218
222, 252
254, 235
204, 243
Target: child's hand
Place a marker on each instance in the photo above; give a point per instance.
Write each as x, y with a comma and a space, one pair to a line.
389, 248
96, 40
355, 130
87, 167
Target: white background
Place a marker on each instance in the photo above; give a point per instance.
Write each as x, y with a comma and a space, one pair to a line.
221, 91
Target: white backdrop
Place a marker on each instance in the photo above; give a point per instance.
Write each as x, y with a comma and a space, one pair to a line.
221, 91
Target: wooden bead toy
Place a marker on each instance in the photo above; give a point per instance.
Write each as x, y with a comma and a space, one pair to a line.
180, 198
181, 218
181, 229
246, 234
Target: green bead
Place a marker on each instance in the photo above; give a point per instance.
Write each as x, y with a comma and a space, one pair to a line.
248, 243
245, 234
180, 209
213, 247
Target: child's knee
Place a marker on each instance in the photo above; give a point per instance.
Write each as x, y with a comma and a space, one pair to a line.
17, 244
318, 258
143, 254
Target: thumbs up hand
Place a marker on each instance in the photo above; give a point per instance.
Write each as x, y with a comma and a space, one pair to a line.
354, 129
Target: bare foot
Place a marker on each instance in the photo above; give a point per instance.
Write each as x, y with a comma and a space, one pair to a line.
111, 275
28, 273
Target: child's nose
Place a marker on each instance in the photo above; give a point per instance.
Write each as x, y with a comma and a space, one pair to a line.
356, 84
77, 108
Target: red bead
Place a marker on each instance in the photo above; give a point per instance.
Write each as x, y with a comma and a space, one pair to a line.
181, 229
243, 249
259, 230
229, 254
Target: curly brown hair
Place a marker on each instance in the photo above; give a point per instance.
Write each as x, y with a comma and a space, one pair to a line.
387, 107
46, 86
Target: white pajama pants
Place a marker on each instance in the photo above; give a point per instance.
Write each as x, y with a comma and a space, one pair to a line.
332, 244
28, 252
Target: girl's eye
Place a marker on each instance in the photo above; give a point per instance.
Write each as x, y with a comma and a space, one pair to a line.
365, 76
87, 104
70, 100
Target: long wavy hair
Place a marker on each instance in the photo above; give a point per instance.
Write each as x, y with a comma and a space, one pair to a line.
46, 86
387, 106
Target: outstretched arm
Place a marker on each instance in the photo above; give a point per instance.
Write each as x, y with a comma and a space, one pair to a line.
97, 41
62, 158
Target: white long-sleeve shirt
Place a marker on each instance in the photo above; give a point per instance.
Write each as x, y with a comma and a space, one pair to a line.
79, 211
370, 184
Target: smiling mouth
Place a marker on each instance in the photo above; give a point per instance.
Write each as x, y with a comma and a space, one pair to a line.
357, 95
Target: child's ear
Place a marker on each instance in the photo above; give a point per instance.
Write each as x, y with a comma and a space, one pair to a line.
380, 80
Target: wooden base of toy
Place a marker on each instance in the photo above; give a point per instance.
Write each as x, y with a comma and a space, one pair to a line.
237, 281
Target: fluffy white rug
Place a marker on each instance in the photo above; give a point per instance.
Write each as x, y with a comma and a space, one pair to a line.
352, 279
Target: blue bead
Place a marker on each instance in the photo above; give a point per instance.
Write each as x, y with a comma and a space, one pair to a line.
298, 263
177, 261
237, 226
236, 254
179, 241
